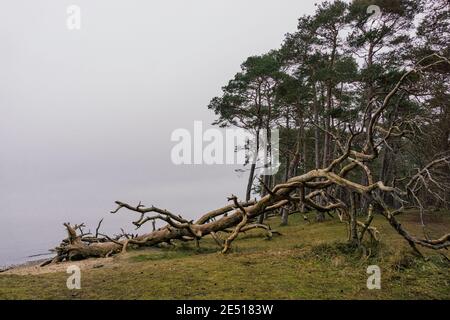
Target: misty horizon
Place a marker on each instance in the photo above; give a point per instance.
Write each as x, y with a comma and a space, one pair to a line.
87, 115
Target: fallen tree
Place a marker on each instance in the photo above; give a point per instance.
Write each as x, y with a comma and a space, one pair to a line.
317, 189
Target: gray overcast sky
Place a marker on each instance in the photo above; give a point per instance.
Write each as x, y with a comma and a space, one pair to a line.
86, 116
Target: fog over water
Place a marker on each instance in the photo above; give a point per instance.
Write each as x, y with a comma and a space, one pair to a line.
86, 115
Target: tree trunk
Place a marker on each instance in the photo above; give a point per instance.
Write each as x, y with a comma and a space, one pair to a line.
353, 226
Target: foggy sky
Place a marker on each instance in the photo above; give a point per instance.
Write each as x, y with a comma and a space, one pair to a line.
86, 115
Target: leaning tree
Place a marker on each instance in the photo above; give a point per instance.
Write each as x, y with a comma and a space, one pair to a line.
358, 145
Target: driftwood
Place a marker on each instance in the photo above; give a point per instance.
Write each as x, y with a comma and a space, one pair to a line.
359, 147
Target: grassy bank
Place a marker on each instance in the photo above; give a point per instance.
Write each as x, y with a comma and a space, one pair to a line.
309, 261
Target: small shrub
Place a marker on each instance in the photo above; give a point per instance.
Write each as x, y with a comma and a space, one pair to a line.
403, 260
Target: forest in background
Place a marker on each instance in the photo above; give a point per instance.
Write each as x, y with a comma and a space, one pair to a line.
321, 79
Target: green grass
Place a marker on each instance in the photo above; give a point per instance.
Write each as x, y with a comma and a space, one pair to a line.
309, 261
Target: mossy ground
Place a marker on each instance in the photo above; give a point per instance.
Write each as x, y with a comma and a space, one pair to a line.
309, 261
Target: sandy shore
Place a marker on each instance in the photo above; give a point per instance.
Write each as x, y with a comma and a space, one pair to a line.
33, 268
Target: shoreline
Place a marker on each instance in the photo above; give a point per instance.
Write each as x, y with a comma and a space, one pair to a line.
34, 268
25, 261
26, 264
